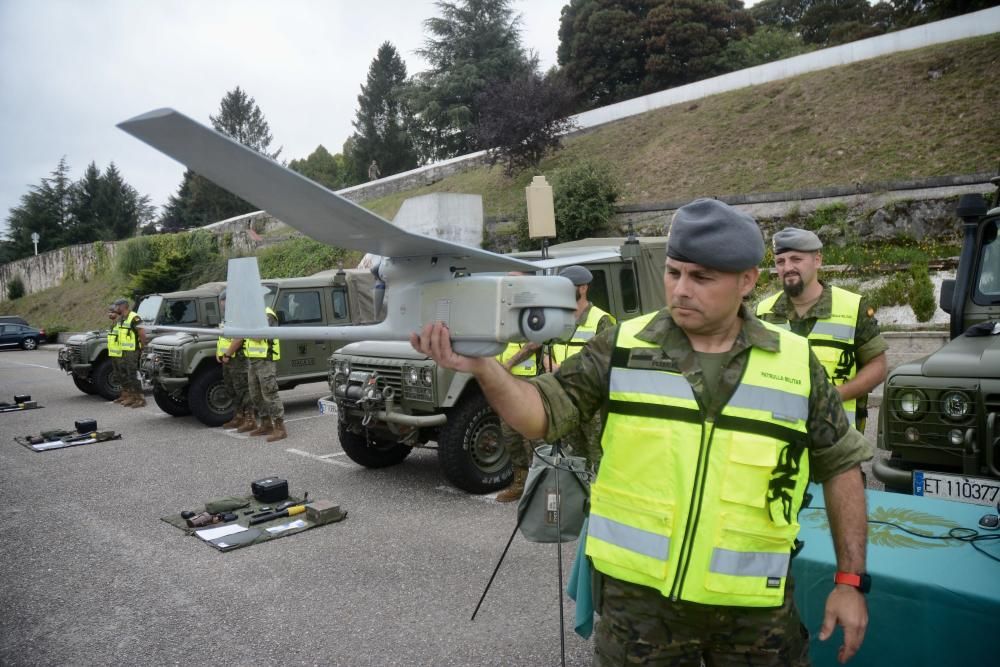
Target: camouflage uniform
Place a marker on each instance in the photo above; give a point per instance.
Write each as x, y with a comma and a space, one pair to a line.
236, 377
129, 366
868, 341
585, 439
638, 625
263, 384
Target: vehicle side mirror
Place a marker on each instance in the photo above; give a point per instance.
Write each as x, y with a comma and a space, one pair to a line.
947, 294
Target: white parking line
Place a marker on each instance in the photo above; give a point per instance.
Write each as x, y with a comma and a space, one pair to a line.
318, 457
21, 363
330, 456
490, 498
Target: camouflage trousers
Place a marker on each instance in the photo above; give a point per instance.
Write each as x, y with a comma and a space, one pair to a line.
118, 371
585, 441
128, 372
639, 626
236, 377
263, 385
518, 447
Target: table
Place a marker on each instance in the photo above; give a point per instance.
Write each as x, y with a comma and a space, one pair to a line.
933, 602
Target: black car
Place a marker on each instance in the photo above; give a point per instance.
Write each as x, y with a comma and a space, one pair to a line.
19, 334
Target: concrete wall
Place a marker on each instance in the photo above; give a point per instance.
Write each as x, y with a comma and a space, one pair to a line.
50, 269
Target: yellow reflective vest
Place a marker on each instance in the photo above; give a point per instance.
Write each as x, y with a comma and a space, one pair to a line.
832, 340
703, 510
127, 336
581, 336
114, 349
222, 346
263, 348
527, 368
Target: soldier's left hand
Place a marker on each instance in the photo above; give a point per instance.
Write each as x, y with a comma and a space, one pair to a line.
846, 607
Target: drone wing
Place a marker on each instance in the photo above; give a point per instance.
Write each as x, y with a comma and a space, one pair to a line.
294, 199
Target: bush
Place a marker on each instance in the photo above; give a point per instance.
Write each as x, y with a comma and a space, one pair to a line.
912, 287
584, 198
303, 256
15, 288
922, 296
169, 262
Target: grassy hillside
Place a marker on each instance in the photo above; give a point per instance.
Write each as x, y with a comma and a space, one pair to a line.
921, 113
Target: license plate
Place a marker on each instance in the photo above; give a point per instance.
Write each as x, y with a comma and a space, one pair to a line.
974, 490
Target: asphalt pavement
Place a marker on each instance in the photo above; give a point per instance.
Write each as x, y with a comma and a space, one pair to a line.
90, 575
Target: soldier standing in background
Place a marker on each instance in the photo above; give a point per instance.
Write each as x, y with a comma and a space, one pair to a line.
235, 374
131, 340
115, 354
263, 380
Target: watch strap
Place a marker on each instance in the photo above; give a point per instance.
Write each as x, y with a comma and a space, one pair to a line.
860, 581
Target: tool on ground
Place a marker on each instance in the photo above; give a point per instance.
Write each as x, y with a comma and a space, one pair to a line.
291, 511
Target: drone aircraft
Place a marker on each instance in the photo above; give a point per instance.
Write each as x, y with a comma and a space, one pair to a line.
428, 279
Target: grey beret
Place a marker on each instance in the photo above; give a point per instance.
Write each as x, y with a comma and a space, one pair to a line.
120, 302
793, 238
578, 275
716, 235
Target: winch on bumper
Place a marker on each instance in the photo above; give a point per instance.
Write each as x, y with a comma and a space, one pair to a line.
368, 394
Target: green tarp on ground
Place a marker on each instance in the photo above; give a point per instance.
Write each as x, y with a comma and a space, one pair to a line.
262, 532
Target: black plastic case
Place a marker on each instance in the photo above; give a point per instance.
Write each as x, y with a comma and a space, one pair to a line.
270, 490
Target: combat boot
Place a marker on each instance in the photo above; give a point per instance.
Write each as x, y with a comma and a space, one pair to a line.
235, 421
249, 423
516, 488
121, 397
128, 400
265, 428
279, 432
138, 400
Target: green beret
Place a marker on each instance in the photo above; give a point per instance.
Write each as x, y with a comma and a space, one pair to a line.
793, 238
715, 235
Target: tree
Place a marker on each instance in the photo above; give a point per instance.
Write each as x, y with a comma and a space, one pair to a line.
601, 49
524, 118
383, 122
474, 45
765, 45
46, 210
331, 171
832, 22
121, 209
612, 50
199, 201
685, 39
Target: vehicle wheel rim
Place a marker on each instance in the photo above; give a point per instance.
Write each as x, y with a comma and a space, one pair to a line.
486, 446
30, 344
219, 400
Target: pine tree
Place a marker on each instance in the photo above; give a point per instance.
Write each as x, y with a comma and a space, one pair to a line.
474, 44
383, 122
200, 202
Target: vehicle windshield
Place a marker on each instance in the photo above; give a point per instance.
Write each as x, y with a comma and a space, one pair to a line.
988, 282
149, 308
179, 311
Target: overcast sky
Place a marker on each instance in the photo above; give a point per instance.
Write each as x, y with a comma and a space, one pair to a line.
71, 69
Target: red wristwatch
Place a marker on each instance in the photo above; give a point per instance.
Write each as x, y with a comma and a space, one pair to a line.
860, 581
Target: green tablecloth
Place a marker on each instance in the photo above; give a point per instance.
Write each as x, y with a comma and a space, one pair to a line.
933, 602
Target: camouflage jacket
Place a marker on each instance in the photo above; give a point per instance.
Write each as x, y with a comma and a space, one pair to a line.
579, 389
868, 341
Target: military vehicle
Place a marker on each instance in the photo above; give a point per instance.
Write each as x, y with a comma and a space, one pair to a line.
390, 399
187, 379
940, 415
85, 356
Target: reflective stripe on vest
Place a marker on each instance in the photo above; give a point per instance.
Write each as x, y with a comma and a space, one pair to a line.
126, 334
263, 348
741, 477
526, 368
582, 334
832, 339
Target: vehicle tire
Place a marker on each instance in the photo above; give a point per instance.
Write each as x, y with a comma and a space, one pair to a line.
470, 448
104, 381
378, 454
84, 385
29, 343
173, 406
208, 399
